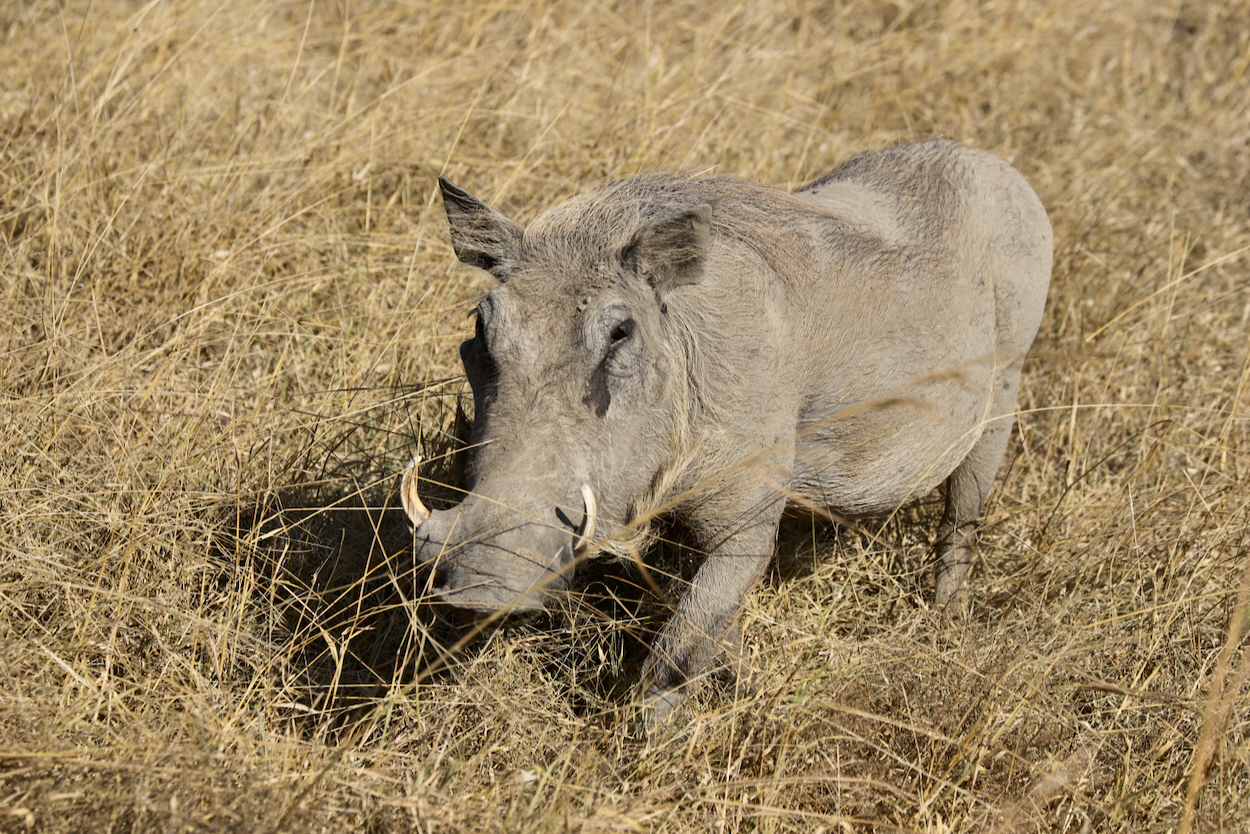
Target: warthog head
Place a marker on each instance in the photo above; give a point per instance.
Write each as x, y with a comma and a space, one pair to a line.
580, 389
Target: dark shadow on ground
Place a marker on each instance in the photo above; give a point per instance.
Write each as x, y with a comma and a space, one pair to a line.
347, 614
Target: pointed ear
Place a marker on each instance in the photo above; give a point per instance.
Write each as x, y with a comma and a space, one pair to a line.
481, 236
672, 251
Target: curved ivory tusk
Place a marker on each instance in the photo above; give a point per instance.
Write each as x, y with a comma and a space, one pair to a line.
408, 494
587, 530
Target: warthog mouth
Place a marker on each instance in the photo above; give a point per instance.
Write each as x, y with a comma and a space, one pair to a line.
492, 595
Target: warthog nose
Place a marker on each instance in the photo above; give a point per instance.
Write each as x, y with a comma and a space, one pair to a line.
491, 558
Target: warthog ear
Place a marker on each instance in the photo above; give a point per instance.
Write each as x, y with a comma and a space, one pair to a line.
481, 236
671, 252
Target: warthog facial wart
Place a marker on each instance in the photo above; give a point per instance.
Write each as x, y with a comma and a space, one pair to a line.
715, 350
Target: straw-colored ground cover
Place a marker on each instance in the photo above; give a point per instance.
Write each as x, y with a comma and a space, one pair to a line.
230, 314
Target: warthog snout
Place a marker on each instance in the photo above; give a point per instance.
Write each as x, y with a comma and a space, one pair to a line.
490, 557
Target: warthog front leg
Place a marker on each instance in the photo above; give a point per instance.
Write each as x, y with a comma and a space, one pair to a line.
703, 636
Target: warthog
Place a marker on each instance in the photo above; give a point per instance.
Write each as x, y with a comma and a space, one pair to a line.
714, 350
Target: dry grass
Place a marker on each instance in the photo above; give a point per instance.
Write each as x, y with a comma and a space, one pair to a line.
230, 309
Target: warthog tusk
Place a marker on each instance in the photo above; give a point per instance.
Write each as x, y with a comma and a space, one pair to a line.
587, 528
408, 494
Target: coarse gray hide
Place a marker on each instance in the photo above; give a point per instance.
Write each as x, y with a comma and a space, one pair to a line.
714, 350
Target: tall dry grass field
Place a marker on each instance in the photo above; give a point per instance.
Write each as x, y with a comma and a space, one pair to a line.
230, 314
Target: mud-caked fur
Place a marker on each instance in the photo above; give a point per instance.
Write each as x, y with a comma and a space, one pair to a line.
716, 349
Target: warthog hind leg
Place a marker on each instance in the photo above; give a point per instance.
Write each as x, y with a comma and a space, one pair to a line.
966, 491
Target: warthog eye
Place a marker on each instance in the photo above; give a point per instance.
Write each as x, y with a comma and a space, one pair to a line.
598, 396
621, 333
